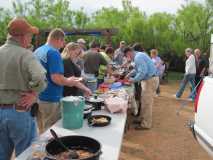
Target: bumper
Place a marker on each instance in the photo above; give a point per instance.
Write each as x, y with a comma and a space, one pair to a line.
202, 139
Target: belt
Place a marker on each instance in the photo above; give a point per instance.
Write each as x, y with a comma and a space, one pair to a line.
9, 106
150, 77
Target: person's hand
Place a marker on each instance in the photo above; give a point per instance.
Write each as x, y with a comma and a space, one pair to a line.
127, 76
130, 80
73, 81
87, 92
27, 99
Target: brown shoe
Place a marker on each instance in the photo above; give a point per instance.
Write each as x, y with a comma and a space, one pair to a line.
136, 121
139, 127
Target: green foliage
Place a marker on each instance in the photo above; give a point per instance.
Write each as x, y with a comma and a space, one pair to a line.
161, 29
175, 76
109, 18
193, 23
4, 19
190, 27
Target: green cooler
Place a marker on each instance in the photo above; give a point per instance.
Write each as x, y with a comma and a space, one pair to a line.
72, 112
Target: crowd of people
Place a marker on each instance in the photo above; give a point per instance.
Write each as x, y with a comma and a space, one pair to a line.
44, 76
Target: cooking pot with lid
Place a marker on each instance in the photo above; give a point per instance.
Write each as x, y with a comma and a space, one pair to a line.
88, 111
96, 102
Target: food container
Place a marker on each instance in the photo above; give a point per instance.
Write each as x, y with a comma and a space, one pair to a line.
116, 85
116, 104
103, 88
109, 80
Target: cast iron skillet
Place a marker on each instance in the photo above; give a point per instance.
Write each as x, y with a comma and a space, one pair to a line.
94, 124
74, 142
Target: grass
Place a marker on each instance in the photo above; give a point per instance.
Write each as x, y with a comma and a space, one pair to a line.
175, 76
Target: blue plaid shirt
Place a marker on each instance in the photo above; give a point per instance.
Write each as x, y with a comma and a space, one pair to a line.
144, 67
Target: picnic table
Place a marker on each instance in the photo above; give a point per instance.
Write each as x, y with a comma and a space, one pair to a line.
109, 136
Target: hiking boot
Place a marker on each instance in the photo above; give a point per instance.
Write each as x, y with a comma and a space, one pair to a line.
139, 127
136, 121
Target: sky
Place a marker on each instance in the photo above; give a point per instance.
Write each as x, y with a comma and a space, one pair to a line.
149, 6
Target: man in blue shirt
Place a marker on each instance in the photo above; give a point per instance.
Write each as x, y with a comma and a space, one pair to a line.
49, 57
145, 73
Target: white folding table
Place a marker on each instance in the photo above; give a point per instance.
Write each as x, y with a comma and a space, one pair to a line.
109, 136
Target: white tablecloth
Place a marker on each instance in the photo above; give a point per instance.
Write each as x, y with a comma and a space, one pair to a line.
110, 136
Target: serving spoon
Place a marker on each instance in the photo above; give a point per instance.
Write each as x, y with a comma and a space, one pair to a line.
72, 153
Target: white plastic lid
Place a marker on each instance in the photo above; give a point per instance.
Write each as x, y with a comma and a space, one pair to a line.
73, 99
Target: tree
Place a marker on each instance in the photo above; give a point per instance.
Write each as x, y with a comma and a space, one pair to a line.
5, 16
193, 25
81, 19
161, 31
50, 13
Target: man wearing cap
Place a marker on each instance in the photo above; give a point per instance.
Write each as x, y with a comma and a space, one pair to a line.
21, 78
119, 53
82, 43
50, 58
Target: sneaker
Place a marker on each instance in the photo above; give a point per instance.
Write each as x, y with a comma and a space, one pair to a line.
190, 99
135, 111
157, 95
175, 96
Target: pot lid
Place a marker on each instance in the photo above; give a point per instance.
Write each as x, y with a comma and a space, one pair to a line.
95, 99
73, 99
88, 107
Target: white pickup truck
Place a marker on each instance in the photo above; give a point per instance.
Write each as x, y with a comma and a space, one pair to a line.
203, 125
203, 122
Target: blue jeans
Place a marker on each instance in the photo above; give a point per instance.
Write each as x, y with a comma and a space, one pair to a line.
17, 131
187, 78
91, 82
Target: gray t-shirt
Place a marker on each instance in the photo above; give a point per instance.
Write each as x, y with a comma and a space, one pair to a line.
92, 61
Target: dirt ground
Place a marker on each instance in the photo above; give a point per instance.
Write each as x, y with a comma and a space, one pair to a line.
170, 138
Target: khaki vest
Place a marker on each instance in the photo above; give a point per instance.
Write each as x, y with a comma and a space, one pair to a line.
19, 71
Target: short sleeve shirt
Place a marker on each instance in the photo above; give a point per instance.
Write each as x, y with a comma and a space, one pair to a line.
92, 62
71, 69
51, 60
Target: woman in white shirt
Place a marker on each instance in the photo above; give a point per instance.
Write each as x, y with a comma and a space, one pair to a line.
189, 76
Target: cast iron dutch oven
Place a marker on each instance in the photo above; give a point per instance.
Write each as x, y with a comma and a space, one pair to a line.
96, 102
75, 142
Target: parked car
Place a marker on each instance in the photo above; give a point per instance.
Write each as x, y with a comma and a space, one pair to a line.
203, 120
